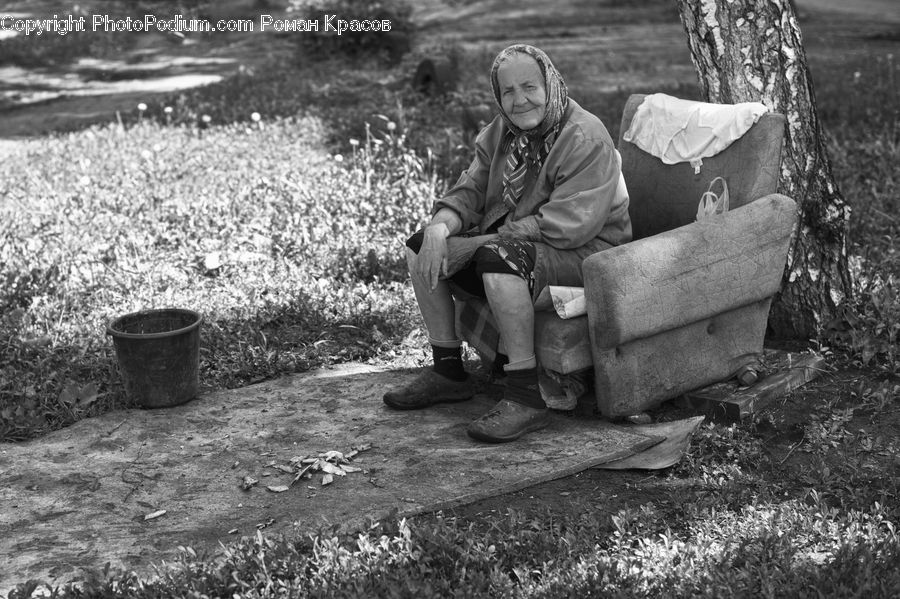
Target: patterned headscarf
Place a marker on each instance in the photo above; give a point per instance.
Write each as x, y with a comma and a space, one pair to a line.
527, 150
555, 87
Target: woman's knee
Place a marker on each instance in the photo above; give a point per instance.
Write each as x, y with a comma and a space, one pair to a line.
501, 284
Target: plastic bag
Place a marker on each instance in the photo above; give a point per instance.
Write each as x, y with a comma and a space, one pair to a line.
712, 203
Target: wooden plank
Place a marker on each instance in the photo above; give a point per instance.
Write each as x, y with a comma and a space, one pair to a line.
726, 401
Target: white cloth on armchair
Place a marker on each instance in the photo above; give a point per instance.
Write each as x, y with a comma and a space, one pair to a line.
676, 130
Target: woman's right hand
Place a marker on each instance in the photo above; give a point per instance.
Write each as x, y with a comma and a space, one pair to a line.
432, 258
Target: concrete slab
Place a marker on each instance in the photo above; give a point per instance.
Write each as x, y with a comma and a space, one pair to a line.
81, 496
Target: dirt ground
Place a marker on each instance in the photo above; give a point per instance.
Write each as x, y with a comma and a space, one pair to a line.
39, 102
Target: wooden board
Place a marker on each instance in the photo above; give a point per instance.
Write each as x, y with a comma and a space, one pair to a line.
727, 401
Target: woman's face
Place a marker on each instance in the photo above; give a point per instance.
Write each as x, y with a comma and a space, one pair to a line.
522, 93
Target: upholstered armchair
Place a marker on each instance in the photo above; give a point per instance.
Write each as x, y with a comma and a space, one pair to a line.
685, 304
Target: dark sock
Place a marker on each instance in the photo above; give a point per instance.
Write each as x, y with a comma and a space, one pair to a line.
522, 388
448, 362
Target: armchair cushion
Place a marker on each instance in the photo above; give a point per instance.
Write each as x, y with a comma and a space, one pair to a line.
690, 273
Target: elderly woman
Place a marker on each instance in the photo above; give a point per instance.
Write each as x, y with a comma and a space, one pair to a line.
544, 191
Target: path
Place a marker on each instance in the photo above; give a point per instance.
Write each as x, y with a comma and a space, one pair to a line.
95, 492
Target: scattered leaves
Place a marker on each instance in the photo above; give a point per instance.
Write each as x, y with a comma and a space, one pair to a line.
329, 463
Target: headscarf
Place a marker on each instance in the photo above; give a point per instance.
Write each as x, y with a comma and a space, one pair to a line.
529, 148
554, 86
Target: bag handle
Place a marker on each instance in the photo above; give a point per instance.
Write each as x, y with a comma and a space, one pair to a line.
712, 203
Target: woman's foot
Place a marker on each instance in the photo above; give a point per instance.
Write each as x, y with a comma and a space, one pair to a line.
428, 389
508, 421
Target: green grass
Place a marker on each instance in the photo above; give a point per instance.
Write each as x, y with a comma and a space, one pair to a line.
100, 222
858, 104
310, 250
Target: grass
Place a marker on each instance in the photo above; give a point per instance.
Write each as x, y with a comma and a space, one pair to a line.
310, 270
286, 235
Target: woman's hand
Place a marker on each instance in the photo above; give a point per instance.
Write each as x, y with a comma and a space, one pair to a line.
432, 258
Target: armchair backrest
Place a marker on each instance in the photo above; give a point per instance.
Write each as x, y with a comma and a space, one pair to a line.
664, 196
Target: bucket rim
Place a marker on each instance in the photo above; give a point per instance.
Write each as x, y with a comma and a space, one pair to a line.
198, 318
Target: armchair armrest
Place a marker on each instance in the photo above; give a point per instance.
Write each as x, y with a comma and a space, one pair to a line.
690, 273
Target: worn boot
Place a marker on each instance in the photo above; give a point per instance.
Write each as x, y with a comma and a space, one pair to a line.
521, 410
508, 421
428, 389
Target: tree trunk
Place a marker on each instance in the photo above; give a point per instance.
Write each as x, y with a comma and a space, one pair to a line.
751, 50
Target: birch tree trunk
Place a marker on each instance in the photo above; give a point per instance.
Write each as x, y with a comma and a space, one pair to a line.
751, 50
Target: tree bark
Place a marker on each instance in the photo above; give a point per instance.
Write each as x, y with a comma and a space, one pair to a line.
751, 50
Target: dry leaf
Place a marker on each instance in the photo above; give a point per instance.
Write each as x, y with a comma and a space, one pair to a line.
327, 479
278, 488
283, 468
303, 472
349, 468
332, 456
154, 515
357, 450
268, 522
332, 469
